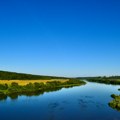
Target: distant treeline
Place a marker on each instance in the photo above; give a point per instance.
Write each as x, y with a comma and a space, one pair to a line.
107, 80
100, 77
5, 75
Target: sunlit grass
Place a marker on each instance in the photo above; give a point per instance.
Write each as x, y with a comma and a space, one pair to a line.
25, 82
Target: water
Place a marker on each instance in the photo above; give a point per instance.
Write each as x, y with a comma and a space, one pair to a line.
88, 102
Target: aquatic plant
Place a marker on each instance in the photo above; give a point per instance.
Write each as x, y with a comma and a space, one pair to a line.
115, 103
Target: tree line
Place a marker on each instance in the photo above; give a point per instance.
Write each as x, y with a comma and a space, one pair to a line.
5, 75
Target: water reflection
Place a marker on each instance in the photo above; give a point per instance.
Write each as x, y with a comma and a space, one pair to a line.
15, 95
3, 96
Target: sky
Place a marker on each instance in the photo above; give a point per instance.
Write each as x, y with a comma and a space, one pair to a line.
60, 37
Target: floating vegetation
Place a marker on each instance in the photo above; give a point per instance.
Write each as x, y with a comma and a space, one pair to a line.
115, 103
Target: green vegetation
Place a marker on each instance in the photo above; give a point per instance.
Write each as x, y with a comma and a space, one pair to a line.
115, 103
4, 75
3, 86
114, 80
14, 89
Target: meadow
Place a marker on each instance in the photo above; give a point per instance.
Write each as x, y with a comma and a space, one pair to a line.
25, 82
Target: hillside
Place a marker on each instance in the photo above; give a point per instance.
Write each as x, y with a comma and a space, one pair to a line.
6, 75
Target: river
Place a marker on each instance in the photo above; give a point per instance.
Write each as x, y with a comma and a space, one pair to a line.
87, 102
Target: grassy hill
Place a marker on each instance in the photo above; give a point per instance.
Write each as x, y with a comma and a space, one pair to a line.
6, 75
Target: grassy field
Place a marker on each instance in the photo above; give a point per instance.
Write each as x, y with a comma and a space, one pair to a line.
25, 82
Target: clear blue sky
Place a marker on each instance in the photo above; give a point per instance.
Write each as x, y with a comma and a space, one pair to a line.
60, 37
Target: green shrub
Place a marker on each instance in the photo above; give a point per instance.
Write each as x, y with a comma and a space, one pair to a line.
29, 86
14, 84
14, 87
3, 86
38, 85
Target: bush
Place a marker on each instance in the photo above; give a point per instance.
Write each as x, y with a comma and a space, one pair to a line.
29, 86
54, 83
14, 84
3, 86
75, 81
38, 85
14, 87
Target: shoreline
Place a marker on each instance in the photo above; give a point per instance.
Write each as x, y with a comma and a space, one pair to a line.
14, 89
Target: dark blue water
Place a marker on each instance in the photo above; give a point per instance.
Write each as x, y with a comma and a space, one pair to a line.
88, 102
